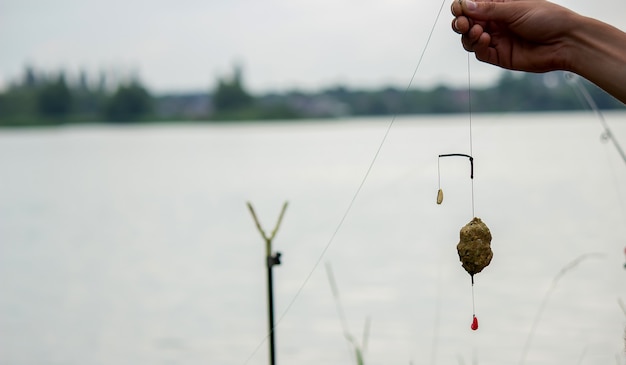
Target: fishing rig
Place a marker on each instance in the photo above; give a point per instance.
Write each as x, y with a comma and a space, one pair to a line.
474, 247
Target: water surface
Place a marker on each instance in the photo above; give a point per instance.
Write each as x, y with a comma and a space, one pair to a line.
133, 245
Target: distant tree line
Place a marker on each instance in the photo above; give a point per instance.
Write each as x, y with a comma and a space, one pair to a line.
231, 101
39, 98
513, 92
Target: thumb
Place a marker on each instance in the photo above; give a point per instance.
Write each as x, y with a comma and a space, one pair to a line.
488, 10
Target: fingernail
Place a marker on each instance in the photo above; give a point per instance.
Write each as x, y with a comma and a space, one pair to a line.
470, 5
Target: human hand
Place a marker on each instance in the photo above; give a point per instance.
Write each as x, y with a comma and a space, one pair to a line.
524, 35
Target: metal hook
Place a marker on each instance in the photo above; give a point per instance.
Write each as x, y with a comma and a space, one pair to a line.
463, 155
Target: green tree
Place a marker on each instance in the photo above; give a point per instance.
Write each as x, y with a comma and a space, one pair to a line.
129, 102
54, 99
230, 95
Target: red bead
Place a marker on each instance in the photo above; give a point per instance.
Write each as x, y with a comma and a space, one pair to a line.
475, 323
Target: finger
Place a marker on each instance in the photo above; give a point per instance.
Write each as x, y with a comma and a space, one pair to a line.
455, 8
468, 43
461, 24
497, 10
483, 50
475, 31
481, 46
472, 38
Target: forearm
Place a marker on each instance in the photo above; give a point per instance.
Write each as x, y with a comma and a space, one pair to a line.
598, 53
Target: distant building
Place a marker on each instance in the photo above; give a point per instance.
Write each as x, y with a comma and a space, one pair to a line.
192, 106
319, 106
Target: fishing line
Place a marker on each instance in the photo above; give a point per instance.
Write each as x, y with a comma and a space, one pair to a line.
585, 98
581, 90
354, 197
469, 102
471, 147
564, 270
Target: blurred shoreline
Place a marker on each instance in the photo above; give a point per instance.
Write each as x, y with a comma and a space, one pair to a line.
39, 99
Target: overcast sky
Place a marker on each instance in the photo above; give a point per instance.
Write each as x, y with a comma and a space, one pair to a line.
182, 45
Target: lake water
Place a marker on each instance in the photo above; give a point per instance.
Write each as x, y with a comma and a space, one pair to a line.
133, 244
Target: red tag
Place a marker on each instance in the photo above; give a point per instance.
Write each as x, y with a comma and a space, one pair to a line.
475, 323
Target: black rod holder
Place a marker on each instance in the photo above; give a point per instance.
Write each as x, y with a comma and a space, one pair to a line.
270, 261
